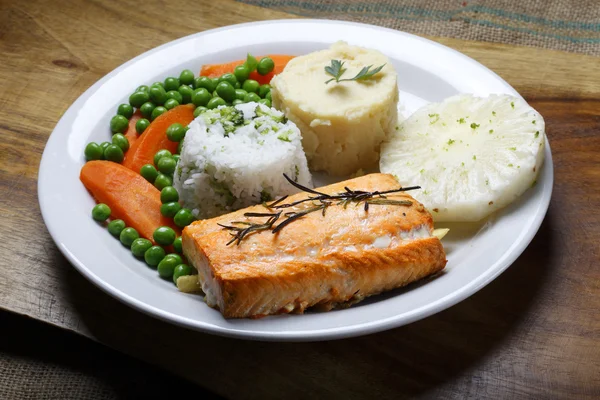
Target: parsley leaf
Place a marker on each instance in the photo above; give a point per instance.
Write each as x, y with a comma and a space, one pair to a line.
336, 69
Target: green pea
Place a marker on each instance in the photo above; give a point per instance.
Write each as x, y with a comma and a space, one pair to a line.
160, 154
121, 141
167, 165
199, 81
183, 218
177, 245
201, 97
174, 94
228, 77
250, 86
142, 88
158, 83
176, 257
199, 110
265, 65
176, 132
162, 181
158, 94
141, 125
235, 102
125, 110
101, 212
169, 194
172, 83
164, 235
204, 82
215, 102
93, 151
114, 153
170, 209
154, 255
225, 91
263, 90
266, 102
241, 72
251, 62
237, 85
171, 103
186, 93
268, 96
176, 156
149, 172
240, 93
167, 265
140, 246
115, 227
103, 146
250, 97
215, 94
158, 111
118, 124
138, 98
186, 77
147, 108
128, 235
181, 270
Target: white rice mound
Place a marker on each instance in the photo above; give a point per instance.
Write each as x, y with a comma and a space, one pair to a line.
232, 158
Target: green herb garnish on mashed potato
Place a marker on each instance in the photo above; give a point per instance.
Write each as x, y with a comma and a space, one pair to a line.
336, 69
342, 124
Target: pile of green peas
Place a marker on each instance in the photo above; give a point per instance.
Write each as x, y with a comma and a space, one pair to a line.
169, 266
160, 174
171, 208
204, 92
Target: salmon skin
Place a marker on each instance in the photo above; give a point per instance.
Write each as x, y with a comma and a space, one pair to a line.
329, 261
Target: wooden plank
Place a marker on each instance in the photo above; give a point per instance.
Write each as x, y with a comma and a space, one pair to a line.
535, 329
535, 72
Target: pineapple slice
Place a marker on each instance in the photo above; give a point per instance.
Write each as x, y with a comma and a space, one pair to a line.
470, 155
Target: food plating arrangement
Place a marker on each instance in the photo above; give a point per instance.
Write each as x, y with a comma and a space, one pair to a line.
209, 178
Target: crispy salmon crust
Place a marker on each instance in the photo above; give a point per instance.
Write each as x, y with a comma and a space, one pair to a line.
317, 260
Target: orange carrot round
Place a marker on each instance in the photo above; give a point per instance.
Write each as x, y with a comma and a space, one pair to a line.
154, 138
129, 196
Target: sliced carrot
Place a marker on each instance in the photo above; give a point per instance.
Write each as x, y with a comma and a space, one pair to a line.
216, 70
129, 196
131, 133
154, 137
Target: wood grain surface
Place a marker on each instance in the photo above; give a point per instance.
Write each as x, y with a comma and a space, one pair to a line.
532, 333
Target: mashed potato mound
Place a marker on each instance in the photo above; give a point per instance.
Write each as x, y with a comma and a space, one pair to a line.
343, 124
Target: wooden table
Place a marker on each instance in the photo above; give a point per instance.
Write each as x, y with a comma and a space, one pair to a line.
535, 330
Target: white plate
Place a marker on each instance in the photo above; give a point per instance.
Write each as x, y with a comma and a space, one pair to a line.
427, 72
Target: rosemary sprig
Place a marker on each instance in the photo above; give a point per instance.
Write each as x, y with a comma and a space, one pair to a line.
336, 69
320, 202
292, 216
388, 202
250, 227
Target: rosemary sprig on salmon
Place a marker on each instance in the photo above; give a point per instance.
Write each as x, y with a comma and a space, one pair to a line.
248, 228
320, 202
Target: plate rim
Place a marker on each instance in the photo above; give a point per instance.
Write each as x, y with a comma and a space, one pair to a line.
366, 328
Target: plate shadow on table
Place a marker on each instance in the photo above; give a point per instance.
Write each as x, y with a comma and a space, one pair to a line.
416, 360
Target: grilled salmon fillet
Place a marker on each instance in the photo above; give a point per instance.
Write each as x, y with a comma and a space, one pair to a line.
327, 260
